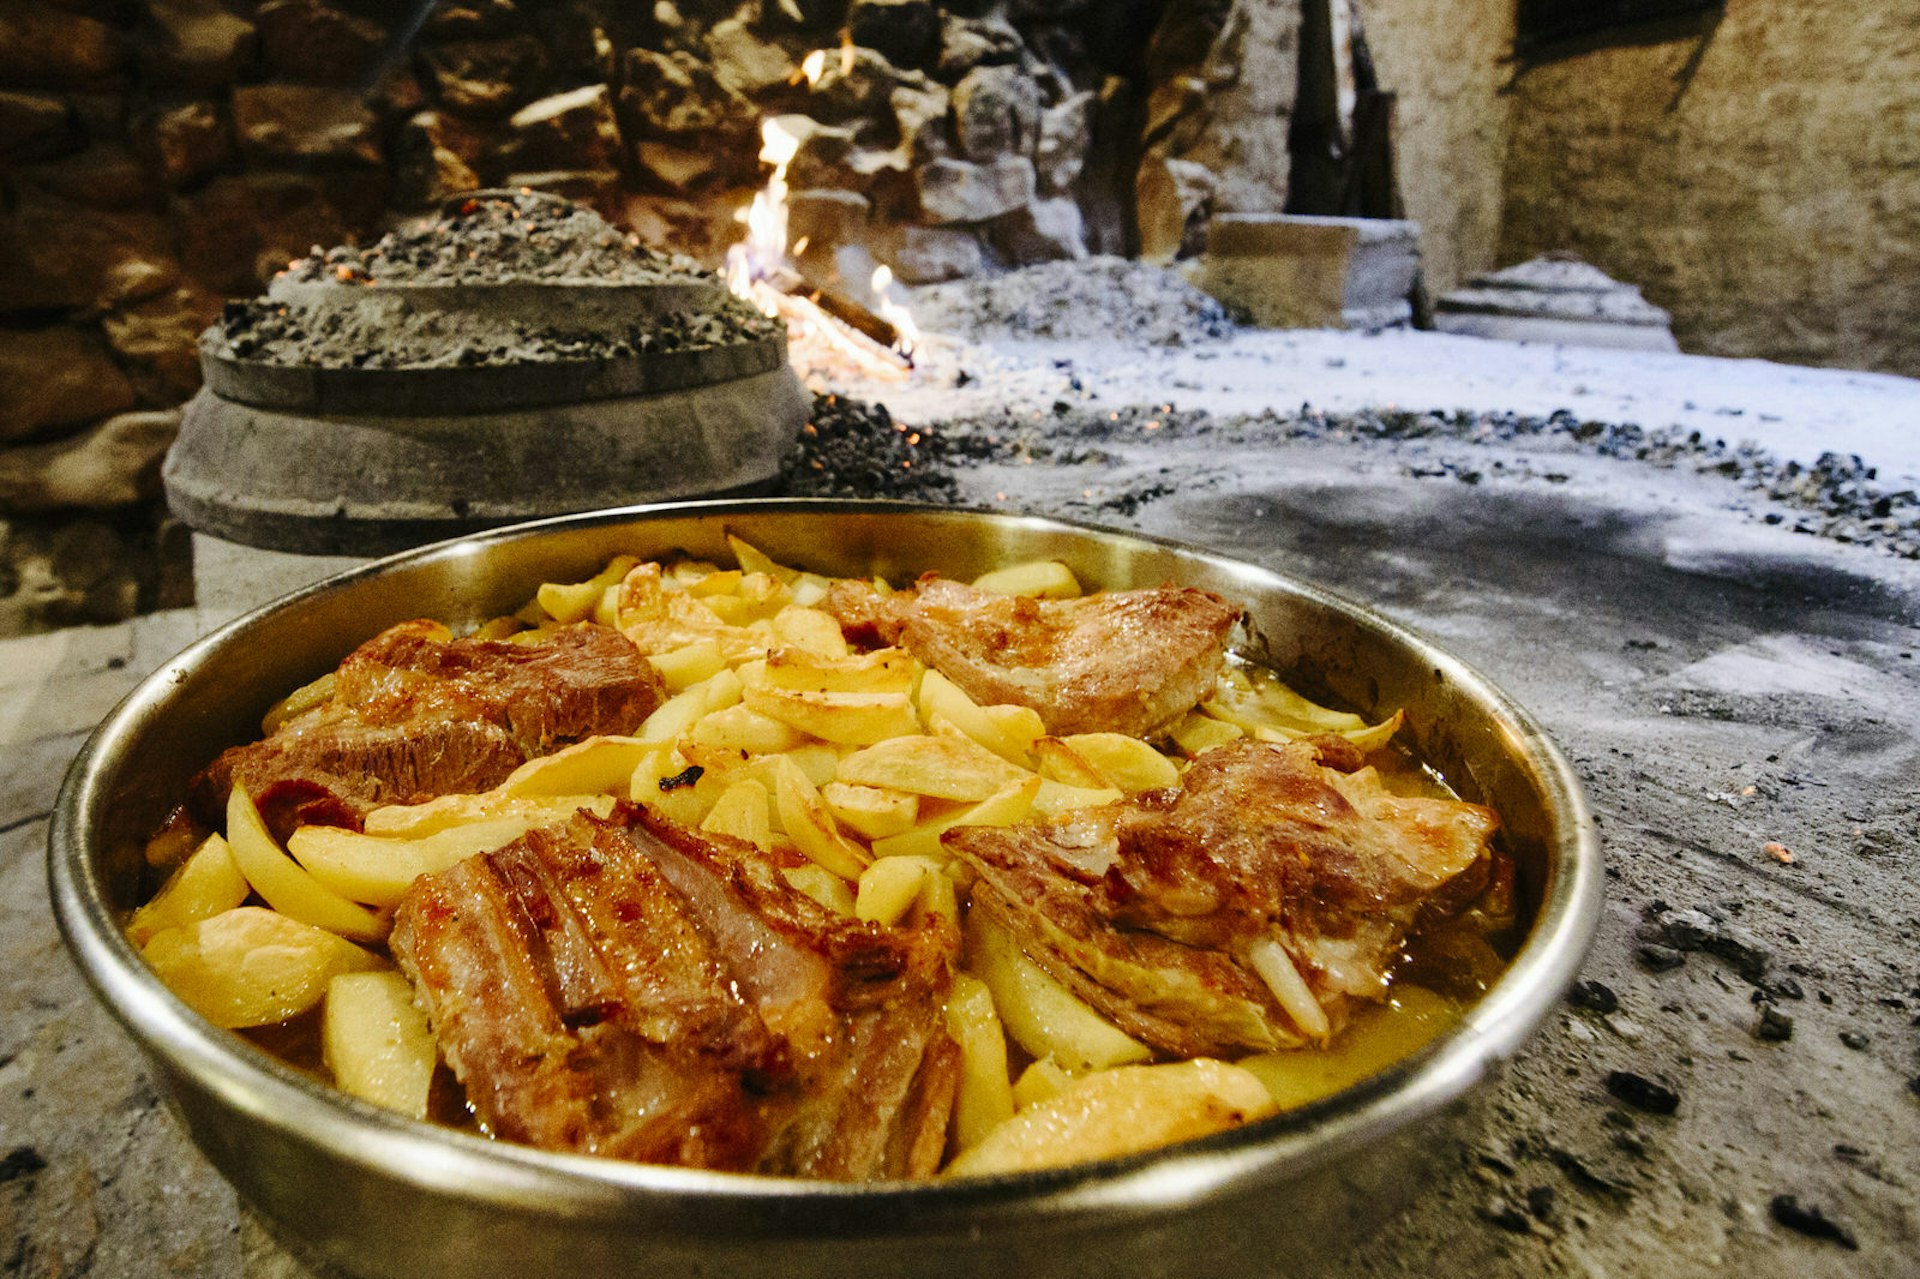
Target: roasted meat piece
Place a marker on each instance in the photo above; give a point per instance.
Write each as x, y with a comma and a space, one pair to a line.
627, 987
1117, 662
414, 714
1244, 910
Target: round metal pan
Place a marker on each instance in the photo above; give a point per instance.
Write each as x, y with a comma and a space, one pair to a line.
347, 1184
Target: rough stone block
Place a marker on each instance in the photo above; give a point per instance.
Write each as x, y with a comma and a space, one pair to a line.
1066, 134
928, 255
1288, 271
966, 43
196, 44
45, 47
1044, 231
55, 378
34, 125
827, 219
746, 63
305, 123
958, 191
483, 78
117, 463
158, 339
104, 176
677, 95
188, 141
572, 130
58, 255
315, 43
996, 111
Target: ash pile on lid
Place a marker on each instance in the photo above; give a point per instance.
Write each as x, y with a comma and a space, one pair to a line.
328, 310
498, 239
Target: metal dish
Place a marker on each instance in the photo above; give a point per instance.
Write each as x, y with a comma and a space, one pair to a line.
346, 1184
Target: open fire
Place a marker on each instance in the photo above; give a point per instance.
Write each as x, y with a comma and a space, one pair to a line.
827, 332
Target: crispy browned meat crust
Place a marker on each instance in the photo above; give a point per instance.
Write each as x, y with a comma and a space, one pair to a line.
1118, 661
631, 988
414, 716
1149, 909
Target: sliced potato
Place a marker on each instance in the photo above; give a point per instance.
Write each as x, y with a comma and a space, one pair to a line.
1197, 733
1041, 1080
810, 826
855, 719
889, 888
752, 559
885, 670
585, 768
986, 1098
1007, 731
207, 883
823, 886
250, 966
416, 821
575, 602
1059, 762
1043, 1016
1045, 579
301, 699
1053, 798
378, 870
287, 886
872, 812
376, 1041
671, 785
809, 630
1004, 808
745, 731
1118, 1112
957, 768
1124, 762
689, 664
742, 812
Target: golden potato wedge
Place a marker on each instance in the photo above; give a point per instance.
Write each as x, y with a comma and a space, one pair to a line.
742, 812
823, 886
1044, 579
250, 966
810, 826
571, 602
1043, 1016
986, 1098
889, 887
376, 1041
1198, 733
416, 821
744, 731
1004, 808
287, 886
204, 885
1052, 799
753, 560
956, 768
689, 664
855, 719
1118, 1112
301, 699
714, 582
885, 670
673, 786
378, 871
585, 768
1041, 1080
1007, 731
1059, 762
809, 630
871, 812
1124, 762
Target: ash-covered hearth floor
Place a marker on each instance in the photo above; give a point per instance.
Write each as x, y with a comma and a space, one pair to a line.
1724, 640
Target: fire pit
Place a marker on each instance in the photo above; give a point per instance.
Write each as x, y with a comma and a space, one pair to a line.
516, 357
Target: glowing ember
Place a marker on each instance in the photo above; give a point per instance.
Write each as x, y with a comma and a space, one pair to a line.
812, 65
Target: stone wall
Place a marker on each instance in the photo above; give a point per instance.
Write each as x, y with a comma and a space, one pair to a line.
161, 156
1446, 59
1768, 195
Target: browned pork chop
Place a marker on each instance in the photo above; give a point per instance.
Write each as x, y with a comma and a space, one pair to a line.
630, 988
1245, 909
1117, 662
414, 715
